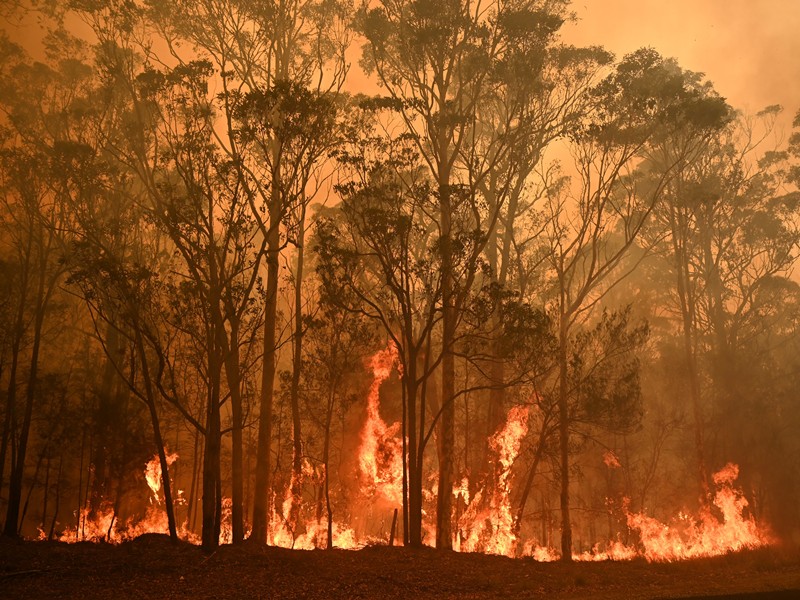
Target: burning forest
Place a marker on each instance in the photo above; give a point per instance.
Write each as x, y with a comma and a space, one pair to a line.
322, 274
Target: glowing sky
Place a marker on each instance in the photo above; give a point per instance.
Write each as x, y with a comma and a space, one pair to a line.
749, 49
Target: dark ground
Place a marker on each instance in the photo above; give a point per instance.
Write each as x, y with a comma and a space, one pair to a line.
151, 567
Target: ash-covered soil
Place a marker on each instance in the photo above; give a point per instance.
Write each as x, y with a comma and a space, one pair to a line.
152, 567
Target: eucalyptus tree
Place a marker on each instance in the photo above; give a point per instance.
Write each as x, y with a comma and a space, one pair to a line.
593, 224
550, 84
441, 61
377, 258
36, 156
188, 68
729, 231
271, 57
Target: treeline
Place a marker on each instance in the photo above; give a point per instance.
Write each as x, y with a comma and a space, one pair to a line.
206, 235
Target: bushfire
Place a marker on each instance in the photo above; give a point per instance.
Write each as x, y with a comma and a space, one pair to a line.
485, 520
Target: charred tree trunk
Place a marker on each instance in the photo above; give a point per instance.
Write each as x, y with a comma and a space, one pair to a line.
326, 452
58, 500
528, 486
211, 471
191, 508
444, 535
18, 466
297, 365
416, 435
158, 438
104, 424
261, 489
233, 375
563, 433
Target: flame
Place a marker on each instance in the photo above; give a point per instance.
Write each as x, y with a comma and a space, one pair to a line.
487, 524
539, 553
152, 474
103, 525
610, 459
707, 535
462, 491
685, 537
380, 457
312, 533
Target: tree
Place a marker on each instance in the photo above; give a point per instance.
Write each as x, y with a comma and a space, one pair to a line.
439, 62
378, 258
729, 234
645, 99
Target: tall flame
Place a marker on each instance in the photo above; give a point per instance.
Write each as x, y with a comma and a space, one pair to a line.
152, 474
685, 537
380, 456
487, 523
707, 535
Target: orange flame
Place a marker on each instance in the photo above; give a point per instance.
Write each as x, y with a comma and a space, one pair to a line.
152, 474
488, 527
380, 456
706, 535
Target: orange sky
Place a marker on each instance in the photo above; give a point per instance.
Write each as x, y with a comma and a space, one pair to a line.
749, 49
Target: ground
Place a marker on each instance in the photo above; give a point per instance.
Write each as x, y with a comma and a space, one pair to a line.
152, 567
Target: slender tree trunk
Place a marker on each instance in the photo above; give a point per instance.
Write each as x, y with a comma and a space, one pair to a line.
159, 440
80, 486
58, 500
46, 495
414, 446
297, 365
444, 535
404, 443
688, 321
5, 439
104, 424
326, 451
10, 421
261, 489
563, 431
18, 468
33, 485
528, 486
237, 450
191, 508
211, 470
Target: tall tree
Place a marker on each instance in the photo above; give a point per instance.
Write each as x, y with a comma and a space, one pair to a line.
590, 232
440, 61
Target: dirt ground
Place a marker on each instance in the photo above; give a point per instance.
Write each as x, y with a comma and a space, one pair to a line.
152, 567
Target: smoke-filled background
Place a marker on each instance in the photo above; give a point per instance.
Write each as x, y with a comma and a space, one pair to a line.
518, 282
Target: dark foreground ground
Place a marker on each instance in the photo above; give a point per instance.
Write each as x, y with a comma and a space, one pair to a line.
151, 567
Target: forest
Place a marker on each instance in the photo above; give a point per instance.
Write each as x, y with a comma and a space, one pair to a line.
340, 273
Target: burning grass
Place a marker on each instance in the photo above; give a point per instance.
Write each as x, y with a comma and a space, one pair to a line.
485, 521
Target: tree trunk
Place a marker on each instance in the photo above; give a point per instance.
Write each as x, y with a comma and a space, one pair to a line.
297, 365
18, 467
58, 500
211, 471
105, 429
234, 386
326, 449
158, 438
528, 486
261, 489
444, 536
563, 432
688, 321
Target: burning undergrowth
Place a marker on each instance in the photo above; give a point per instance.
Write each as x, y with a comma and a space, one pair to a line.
485, 520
